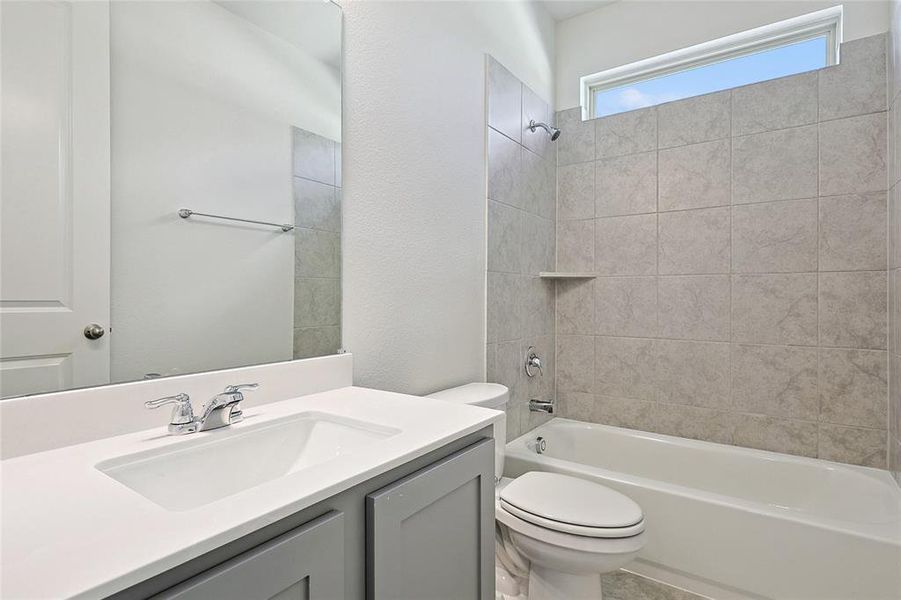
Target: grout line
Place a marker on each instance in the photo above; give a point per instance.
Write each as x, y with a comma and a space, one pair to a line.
819, 324
818, 251
495, 130
654, 356
720, 138
854, 116
317, 277
311, 180
721, 342
731, 252
734, 205
734, 273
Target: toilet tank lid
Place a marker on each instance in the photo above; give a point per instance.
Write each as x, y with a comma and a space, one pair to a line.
487, 395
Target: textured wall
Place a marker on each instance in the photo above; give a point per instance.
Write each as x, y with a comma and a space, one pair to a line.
520, 244
740, 239
413, 254
317, 244
894, 73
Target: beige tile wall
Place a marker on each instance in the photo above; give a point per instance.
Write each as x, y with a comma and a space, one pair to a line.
894, 438
740, 244
521, 216
317, 244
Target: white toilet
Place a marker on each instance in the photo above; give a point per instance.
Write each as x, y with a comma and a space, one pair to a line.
571, 530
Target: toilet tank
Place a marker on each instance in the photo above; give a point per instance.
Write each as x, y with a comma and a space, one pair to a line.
486, 395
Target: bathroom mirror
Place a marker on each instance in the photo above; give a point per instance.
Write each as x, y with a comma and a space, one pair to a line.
171, 188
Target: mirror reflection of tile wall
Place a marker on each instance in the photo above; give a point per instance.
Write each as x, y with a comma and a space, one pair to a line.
317, 246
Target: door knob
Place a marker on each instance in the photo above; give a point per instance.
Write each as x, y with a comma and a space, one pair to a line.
94, 331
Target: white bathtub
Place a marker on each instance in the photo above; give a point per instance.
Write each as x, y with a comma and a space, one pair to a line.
734, 522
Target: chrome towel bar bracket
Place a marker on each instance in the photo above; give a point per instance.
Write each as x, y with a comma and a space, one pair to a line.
184, 213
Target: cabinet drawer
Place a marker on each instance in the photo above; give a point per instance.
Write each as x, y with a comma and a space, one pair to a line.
306, 563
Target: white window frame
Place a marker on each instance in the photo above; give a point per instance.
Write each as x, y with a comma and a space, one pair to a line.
826, 22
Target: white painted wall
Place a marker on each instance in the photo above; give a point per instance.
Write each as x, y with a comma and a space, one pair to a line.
628, 31
414, 181
202, 104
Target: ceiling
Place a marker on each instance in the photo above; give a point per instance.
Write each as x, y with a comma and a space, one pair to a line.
564, 9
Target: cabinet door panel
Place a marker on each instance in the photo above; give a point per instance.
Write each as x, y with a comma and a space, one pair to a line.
306, 563
431, 535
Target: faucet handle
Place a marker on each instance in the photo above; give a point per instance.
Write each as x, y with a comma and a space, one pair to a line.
230, 389
237, 415
533, 362
182, 412
176, 399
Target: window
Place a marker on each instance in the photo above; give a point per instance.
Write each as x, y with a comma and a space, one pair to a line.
793, 46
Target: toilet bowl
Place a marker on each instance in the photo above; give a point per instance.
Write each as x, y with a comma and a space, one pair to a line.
570, 530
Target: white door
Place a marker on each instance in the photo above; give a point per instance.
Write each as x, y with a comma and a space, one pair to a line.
54, 194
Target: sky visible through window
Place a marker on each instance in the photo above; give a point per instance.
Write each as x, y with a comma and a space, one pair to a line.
768, 64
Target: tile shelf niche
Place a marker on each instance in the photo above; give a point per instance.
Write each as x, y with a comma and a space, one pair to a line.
566, 275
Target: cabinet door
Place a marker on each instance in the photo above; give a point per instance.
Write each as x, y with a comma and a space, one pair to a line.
430, 536
306, 563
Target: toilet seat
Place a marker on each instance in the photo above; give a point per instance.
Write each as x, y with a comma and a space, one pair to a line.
594, 532
571, 505
569, 541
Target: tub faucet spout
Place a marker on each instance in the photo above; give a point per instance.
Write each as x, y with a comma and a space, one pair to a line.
545, 406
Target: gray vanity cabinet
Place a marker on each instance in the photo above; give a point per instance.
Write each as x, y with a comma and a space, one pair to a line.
306, 563
427, 534
422, 531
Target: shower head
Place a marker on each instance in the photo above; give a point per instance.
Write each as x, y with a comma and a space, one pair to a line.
551, 131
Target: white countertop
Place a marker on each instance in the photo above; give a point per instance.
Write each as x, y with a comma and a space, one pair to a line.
69, 530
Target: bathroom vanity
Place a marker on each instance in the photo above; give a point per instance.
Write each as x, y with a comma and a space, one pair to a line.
345, 493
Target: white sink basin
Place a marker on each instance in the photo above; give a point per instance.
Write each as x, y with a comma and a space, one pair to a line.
229, 460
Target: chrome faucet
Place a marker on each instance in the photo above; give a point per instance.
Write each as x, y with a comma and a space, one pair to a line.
224, 409
545, 406
221, 410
